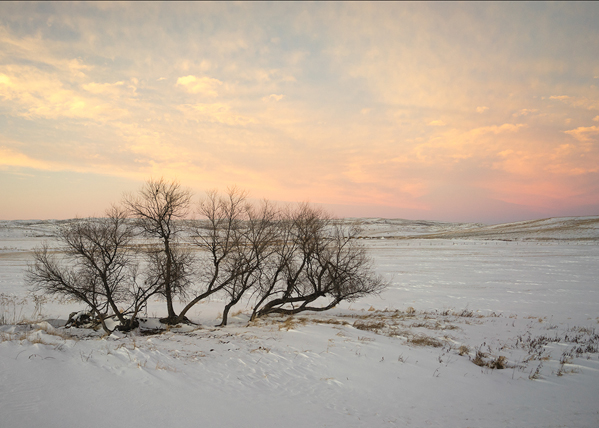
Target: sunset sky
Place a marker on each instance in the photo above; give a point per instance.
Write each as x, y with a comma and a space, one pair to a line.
442, 111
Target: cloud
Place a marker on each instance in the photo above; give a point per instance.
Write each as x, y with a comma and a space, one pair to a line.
36, 50
12, 158
35, 93
584, 102
206, 86
215, 112
113, 90
383, 103
437, 123
273, 97
524, 112
5, 80
584, 133
494, 129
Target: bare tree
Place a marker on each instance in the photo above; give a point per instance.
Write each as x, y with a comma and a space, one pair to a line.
281, 271
97, 269
217, 234
318, 261
284, 261
158, 208
255, 245
279, 261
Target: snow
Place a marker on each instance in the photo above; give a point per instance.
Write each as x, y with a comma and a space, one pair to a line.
526, 292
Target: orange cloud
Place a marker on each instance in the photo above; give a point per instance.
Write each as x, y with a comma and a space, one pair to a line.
38, 93
451, 145
273, 97
112, 90
393, 106
437, 123
494, 129
12, 158
215, 112
525, 112
584, 133
206, 86
583, 102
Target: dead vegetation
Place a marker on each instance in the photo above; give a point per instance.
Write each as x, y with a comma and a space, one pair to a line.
423, 340
571, 343
483, 359
41, 333
12, 309
554, 351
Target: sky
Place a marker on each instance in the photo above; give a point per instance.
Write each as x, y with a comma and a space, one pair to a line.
470, 112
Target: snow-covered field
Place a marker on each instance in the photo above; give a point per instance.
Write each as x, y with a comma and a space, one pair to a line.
482, 326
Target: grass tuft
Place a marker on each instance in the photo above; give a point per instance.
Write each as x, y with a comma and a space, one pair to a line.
423, 340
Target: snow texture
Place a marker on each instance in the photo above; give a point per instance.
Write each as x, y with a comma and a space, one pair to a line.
493, 326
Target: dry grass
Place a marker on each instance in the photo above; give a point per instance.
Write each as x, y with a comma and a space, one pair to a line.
12, 309
463, 350
498, 363
374, 326
433, 326
536, 374
161, 366
291, 323
483, 359
330, 321
480, 358
423, 340
574, 342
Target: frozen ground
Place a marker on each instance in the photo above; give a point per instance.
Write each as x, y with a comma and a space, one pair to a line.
488, 326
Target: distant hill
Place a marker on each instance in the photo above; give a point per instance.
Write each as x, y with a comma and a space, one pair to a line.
561, 228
